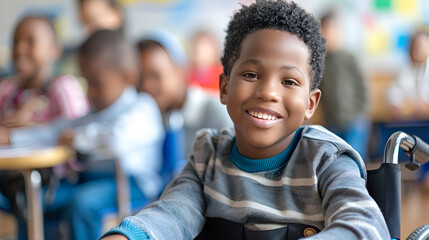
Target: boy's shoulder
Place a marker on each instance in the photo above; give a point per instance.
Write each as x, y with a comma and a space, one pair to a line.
211, 142
315, 135
319, 133
146, 98
317, 141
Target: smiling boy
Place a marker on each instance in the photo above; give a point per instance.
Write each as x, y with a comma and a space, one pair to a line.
270, 177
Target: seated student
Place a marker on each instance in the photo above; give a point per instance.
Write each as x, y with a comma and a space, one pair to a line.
162, 70
94, 15
125, 122
205, 67
100, 14
408, 96
270, 172
345, 93
33, 95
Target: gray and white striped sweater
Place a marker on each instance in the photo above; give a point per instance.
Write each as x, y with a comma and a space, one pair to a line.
321, 183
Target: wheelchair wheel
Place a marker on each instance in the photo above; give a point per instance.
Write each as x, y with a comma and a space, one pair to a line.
421, 233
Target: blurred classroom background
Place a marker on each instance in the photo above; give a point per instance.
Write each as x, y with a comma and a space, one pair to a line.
377, 32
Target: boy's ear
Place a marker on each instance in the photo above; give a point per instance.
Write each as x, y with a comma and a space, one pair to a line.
223, 87
313, 102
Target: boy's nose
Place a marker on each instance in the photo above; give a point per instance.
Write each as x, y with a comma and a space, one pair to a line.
268, 90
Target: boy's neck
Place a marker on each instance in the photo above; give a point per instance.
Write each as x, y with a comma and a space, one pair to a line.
33, 83
37, 81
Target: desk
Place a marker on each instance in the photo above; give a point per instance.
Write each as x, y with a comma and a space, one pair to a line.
27, 160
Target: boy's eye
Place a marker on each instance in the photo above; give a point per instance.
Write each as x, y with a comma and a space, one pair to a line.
289, 82
251, 75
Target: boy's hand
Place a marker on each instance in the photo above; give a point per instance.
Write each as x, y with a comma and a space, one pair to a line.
21, 117
66, 138
115, 237
4, 136
16, 119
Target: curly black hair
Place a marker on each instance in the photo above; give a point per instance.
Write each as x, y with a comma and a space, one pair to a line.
280, 15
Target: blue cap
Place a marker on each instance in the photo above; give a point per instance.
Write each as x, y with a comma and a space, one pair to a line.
170, 43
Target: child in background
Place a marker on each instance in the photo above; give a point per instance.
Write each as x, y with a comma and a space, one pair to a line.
100, 14
125, 123
205, 66
345, 94
33, 96
408, 96
94, 15
270, 174
162, 69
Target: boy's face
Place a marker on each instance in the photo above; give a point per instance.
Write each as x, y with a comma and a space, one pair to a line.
34, 51
331, 32
268, 92
205, 51
161, 78
98, 14
105, 84
420, 48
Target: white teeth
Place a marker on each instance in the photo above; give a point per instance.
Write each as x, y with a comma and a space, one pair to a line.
264, 116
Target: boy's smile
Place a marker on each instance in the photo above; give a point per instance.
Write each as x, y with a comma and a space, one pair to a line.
263, 118
268, 92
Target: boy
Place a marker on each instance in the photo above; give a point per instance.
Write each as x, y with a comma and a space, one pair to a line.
33, 95
270, 173
162, 65
125, 122
94, 15
100, 14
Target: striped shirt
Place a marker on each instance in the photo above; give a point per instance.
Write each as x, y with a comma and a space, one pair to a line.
319, 181
63, 97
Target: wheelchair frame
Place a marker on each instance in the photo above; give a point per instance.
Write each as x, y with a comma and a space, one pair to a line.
384, 183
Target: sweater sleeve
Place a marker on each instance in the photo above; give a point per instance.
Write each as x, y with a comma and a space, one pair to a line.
177, 215
350, 212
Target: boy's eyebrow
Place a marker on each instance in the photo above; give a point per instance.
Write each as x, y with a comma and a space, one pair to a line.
257, 62
251, 61
291, 67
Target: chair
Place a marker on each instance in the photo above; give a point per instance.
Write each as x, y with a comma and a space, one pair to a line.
173, 156
384, 183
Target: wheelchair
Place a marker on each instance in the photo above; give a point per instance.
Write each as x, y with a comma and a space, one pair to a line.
383, 184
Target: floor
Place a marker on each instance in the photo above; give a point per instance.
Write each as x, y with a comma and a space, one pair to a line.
414, 210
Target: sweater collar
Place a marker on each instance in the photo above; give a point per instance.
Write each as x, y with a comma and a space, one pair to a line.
267, 164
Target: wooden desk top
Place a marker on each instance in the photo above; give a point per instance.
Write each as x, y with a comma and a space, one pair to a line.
32, 158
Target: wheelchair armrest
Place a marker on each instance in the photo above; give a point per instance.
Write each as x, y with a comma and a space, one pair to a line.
384, 186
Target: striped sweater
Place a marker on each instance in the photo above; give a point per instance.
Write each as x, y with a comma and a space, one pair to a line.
319, 181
